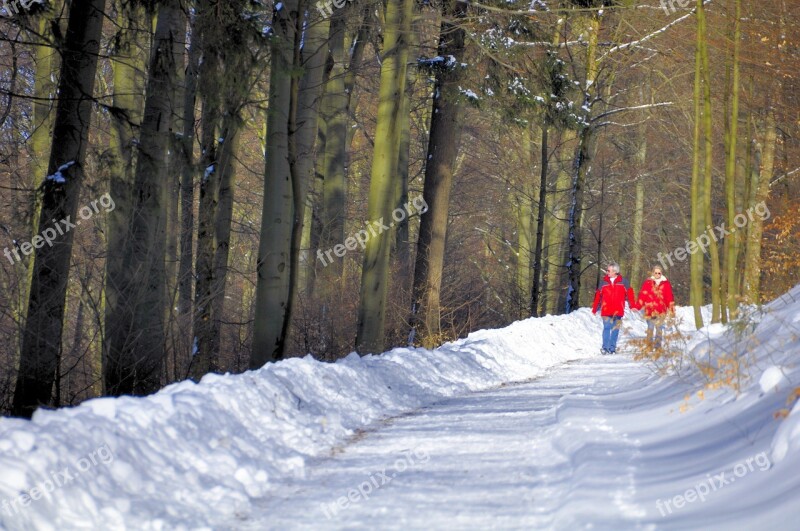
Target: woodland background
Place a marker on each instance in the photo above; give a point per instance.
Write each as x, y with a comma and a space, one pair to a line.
238, 138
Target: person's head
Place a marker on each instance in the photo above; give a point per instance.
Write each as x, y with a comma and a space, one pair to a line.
658, 272
612, 269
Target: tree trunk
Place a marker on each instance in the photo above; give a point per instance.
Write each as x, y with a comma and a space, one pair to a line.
187, 175
716, 306
557, 250
375, 271
129, 64
41, 344
542, 208
445, 135
216, 209
638, 213
730, 292
335, 182
222, 238
752, 276
277, 221
135, 350
580, 169
315, 53
698, 204
210, 91
44, 91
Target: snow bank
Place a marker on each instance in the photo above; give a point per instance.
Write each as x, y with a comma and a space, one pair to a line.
203, 456
196, 455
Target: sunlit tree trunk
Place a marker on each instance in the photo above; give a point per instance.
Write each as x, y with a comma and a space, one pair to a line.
752, 276
698, 203
375, 271
314, 55
708, 165
730, 291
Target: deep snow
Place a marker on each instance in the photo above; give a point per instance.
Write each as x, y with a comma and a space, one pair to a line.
596, 442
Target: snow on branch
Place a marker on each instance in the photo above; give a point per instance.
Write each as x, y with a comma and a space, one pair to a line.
634, 108
787, 174
652, 35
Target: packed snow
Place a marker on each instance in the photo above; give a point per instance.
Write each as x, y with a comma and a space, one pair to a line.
524, 427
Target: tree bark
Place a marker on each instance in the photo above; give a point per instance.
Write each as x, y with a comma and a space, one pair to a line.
314, 55
277, 222
713, 249
542, 208
129, 64
443, 143
187, 174
752, 276
135, 350
698, 204
580, 169
41, 344
375, 271
733, 242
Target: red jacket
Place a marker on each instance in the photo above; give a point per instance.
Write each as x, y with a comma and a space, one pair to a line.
656, 298
610, 297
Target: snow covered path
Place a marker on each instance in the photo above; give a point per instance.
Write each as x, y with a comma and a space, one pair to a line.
436, 440
576, 448
490, 460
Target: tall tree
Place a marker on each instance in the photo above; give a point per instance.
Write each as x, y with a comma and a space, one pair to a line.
443, 143
225, 83
41, 343
375, 270
698, 184
129, 67
580, 168
708, 165
732, 243
277, 218
313, 60
134, 351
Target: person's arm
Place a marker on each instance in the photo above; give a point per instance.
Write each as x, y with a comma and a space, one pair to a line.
640, 301
632, 299
598, 297
669, 298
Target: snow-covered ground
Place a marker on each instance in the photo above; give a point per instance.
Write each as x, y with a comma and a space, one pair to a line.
418, 439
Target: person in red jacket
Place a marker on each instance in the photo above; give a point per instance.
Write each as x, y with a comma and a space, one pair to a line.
658, 302
610, 300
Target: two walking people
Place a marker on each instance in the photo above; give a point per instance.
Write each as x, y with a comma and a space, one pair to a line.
655, 298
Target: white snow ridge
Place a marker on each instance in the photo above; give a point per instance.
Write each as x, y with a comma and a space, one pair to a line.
442, 439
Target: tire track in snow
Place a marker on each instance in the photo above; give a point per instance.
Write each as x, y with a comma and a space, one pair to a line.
534, 455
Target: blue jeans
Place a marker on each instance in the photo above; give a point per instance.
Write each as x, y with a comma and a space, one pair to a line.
611, 326
655, 324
